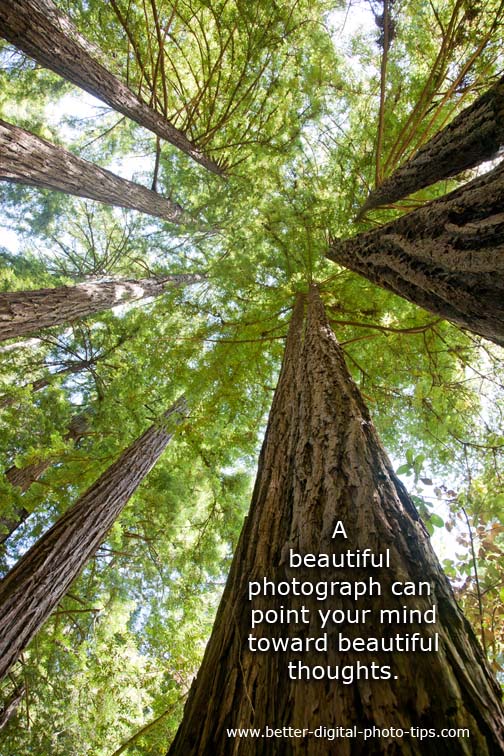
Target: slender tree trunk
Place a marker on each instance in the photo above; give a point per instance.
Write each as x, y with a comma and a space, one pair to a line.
71, 369
28, 159
447, 257
322, 462
41, 31
31, 590
126, 745
23, 312
25, 344
475, 135
10, 706
23, 477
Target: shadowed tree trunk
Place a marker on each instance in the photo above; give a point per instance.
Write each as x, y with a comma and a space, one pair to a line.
10, 706
475, 135
23, 312
321, 463
447, 256
41, 31
33, 587
28, 159
23, 477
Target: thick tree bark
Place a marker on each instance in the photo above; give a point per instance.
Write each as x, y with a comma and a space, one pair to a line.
322, 462
475, 135
447, 257
33, 587
23, 312
40, 30
28, 159
23, 477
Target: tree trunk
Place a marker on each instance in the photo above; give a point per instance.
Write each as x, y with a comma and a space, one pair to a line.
23, 477
41, 31
25, 344
33, 587
475, 135
23, 312
72, 368
10, 706
28, 159
321, 463
447, 257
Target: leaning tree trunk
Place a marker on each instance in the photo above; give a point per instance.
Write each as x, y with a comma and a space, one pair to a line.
28, 159
40, 383
321, 463
39, 29
23, 477
9, 707
475, 135
23, 312
447, 257
25, 344
33, 587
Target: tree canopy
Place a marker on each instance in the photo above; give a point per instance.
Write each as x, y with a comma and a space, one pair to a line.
306, 108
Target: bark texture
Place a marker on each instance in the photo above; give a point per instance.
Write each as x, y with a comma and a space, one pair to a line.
475, 135
33, 587
41, 31
322, 462
23, 477
447, 257
28, 159
23, 312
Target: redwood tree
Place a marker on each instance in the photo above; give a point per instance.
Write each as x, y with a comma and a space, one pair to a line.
23, 312
38, 28
10, 706
28, 159
475, 135
33, 587
72, 368
447, 256
23, 477
321, 463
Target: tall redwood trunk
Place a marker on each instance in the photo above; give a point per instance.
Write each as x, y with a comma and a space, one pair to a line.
28, 159
33, 587
447, 256
475, 135
23, 312
23, 477
322, 462
40, 30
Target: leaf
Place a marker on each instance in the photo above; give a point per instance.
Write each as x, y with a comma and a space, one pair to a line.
436, 520
404, 470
